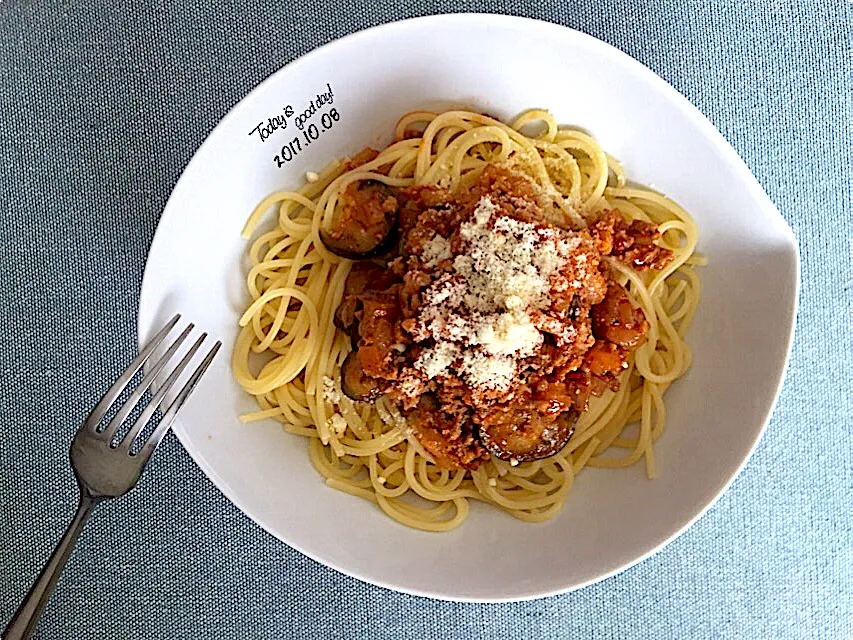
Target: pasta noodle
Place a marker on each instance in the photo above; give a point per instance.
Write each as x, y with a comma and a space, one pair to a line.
288, 354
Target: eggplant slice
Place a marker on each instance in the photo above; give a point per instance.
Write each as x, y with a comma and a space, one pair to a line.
354, 334
364, 277
355, 384
345, 313
526, 434
365, 224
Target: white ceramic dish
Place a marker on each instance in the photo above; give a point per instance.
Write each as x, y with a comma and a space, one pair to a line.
741, 337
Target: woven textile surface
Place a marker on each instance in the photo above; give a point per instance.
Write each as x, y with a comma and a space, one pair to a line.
102, 104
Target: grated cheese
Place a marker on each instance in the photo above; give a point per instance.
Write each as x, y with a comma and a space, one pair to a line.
511, 333
436, 250
436, 360
481, 370
330, 391
480, 314
337, 423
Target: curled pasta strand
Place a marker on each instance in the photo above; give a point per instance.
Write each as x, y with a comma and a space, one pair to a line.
288, 353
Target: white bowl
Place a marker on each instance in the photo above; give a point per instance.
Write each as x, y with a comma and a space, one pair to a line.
502, 65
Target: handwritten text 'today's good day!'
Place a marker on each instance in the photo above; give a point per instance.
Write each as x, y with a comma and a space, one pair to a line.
315, 119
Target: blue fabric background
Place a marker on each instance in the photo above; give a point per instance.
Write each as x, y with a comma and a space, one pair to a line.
102, 105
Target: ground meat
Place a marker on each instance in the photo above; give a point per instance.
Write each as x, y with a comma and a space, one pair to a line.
631, 243
365, 276
417, 200
513, 192
448, 438
586, 328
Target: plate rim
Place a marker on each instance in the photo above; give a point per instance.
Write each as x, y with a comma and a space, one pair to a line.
648, 76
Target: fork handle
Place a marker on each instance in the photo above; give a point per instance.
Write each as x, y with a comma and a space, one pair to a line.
24, 621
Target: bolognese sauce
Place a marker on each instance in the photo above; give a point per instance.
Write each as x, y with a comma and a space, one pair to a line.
486, 318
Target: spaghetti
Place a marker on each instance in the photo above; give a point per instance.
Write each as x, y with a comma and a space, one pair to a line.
289, 353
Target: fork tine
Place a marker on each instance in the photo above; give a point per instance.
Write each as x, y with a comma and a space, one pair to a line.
157, 400
114, 392
169, 417
132, 400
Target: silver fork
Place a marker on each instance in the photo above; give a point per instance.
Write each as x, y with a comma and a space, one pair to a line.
107, 470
